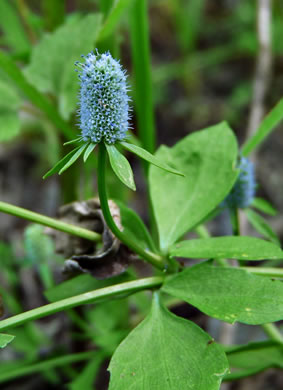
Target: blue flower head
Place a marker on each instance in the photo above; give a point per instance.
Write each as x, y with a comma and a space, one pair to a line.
243, 192
104, 102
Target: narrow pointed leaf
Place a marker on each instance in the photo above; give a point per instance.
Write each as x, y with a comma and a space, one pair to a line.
269, 123
73, 141
241, 248
88, 151
145, 155
60, 164
121, 167
262, 226
167, 352
73, 159
5, 339
229, 294
260, 354
264, 206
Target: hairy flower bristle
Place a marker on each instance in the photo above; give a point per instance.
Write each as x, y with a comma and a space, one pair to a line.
104, 101
243, 192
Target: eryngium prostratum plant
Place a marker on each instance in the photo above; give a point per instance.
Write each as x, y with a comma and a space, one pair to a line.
104, 100
104, 117
243, 192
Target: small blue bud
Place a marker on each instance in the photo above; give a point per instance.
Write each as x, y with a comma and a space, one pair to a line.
104, 102
243, 192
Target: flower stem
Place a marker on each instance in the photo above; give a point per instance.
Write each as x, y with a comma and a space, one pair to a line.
265, 271
47, 221
273, 332
155, 259
77, 300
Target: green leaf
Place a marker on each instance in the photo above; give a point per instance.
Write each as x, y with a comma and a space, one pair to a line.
166, 352
229, 294
231, 247
208, 159
9, 118
52, 67
134, 227
86, 377
261, 226
268, 124
145, 155
73, 141
10, 23
5, 339
113, 18
121, 167
261, 354
9, 125
60, 164
39, 248
73, 158
10, 99
264, 206
39, 100
88, 151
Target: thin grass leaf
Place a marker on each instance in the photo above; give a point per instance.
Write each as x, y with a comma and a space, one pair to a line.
143, 94
121, 167
113, 18
73, 141
73, 158
268, 124
261, 226
264, 206
142, 153
88, 150
60, 164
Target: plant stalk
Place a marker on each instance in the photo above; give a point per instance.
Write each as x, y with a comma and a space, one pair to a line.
82, 299
153, 258
47, 221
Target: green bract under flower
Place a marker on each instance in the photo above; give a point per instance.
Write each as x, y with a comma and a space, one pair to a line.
104, 101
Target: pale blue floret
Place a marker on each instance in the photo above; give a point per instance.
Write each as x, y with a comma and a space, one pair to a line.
243, 192
104, 101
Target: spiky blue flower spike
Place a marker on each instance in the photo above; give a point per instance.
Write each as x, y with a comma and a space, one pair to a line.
104, 118
104, 100
243, 192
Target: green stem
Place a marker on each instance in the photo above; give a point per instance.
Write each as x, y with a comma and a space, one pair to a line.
273, 333
82, 299
47, 221
234, 216
153, 258
140, 46
46, 365
265, 271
